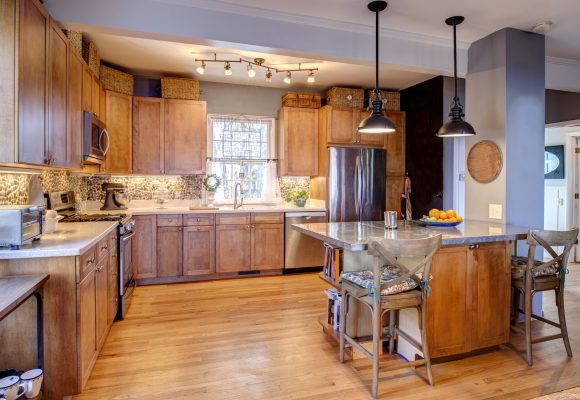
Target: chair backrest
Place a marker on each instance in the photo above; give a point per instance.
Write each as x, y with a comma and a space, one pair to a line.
548, 240
412, 256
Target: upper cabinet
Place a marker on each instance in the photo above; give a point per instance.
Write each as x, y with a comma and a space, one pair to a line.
185, 136
339, 126
148, 135
75, 107
298, 141
396, 145
119, 122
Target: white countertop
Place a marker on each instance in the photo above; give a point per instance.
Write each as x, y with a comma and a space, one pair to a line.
70, 239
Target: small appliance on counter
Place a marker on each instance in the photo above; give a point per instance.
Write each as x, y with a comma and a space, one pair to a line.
115, 196
20, 225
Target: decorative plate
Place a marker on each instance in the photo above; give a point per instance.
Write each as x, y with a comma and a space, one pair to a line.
440, 224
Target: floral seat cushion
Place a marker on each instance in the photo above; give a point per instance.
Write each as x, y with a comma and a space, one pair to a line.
388, 274
519, 266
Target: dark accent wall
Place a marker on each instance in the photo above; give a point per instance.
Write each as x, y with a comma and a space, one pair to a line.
562, 106
423, 105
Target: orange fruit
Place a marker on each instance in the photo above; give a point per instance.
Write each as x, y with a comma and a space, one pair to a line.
439, 220
452, 219
443, 215
451, 213
446, 220
434, 213
459, 218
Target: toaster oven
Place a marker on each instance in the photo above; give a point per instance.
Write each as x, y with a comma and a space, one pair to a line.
20, 225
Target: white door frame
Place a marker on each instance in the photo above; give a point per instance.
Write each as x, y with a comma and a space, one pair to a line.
459, 175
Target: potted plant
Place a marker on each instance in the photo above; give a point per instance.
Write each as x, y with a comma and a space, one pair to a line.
298, 196
211, 184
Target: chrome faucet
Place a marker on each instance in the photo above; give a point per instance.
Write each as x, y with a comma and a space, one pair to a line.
239, 197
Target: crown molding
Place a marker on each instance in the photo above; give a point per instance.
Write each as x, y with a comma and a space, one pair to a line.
281, 16
563, 61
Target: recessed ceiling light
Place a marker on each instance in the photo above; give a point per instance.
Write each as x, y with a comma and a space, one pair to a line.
542, 27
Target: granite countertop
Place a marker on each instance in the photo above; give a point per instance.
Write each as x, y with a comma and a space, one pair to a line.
355, 236
70, 239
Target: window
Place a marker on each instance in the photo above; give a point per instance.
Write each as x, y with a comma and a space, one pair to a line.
241, 144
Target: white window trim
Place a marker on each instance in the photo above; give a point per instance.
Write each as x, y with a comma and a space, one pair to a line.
272, 136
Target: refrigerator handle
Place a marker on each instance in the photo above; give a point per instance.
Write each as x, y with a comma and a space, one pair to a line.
356, 184
358, 188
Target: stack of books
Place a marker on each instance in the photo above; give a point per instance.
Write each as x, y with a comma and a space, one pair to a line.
334, 304
332, 262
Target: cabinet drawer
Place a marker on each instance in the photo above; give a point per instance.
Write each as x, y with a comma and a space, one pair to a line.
169, 220
87, 262
233, 219
198, 219
103, 247
267, 218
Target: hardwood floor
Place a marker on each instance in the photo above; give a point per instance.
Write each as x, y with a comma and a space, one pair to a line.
259, 339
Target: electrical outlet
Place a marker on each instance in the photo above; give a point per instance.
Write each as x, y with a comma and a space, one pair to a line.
495, 211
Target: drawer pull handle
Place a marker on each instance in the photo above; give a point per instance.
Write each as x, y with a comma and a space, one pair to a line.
473, 246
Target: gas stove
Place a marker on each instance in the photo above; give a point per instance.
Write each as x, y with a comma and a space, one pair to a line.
95, 217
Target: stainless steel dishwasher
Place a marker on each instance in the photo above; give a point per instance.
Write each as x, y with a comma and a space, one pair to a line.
302, 251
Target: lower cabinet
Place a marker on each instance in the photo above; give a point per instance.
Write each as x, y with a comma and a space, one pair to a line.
87, 326
113, 278
267, 246
233, 250
169, 251
198, 250
144, 247
102, 299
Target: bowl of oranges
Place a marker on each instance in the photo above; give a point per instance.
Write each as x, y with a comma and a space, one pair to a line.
441, 218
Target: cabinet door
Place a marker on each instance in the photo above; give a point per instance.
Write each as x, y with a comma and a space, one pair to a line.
298, 139
185, 137
103, 102
491, 298
102, 300
144, 247
148, 127
32, 83
395, 187
96, 95
233, 248
396, 144
267, 246
58, 140
87, 88
341, 126
377, 141
120, 127
169, 251
87, 325
198, 250
113, 279
75, 108
449, 303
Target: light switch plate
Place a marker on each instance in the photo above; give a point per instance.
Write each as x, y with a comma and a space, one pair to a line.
495, 211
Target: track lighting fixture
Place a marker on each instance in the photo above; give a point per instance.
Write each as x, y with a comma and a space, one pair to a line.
201, 69
268, 76
227, 69
311, 78
288, 78
251, 72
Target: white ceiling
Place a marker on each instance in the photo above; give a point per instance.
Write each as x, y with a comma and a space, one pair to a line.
155, 57
426, 17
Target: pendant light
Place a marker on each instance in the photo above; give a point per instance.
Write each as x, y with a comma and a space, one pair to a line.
377, 123
456, 126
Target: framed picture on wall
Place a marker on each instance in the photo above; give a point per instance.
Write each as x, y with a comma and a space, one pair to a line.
554, 162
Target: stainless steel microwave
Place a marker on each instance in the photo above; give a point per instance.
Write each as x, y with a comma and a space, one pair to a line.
96, 139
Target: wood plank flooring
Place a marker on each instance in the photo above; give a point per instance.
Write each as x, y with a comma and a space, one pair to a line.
259, 339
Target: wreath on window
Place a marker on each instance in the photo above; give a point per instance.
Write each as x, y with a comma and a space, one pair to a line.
212, 182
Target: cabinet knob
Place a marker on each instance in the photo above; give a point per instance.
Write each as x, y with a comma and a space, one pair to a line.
473, 246
179, 228
197, 219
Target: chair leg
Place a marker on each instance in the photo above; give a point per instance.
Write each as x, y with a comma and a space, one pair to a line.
424, 344
562, 317
392, 316
528, 325
376, 349
515, 306
342, 325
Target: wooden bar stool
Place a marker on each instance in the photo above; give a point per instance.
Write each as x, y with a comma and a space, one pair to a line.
530, 276
402, 282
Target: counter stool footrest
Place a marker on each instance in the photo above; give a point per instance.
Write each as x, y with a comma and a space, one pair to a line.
408, 338
547, 321
547, 338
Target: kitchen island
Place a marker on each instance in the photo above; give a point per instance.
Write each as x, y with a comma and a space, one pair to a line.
469, 304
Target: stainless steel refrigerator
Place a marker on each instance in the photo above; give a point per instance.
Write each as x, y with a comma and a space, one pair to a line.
356, 181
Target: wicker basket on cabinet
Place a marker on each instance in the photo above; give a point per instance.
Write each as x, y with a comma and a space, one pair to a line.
301, 100
391, 100
75, 38
179, 88
117, 81
345, 97
91, 56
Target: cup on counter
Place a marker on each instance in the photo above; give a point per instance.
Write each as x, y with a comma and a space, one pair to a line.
10, 388
390, 220
31, 382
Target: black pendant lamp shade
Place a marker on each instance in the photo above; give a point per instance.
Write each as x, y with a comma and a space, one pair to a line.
377, 123
456, 126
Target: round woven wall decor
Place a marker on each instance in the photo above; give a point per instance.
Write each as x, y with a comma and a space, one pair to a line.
484, 161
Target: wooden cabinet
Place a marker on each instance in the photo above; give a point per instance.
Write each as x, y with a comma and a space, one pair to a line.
102, 299
96, 96
298, 141
75, 108
87, 88
366, 139
144, 247
198, 250
119, 114
113, 297
148, 135
267, 246
233, 248
169, 251
395, 188
185, 136
468, 307
87, 325
338, 125
396, 145
32, 82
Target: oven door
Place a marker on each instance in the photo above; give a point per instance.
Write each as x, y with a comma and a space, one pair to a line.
95, 139
126, 266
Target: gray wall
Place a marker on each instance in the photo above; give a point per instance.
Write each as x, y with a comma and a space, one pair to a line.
562, 106
448, 153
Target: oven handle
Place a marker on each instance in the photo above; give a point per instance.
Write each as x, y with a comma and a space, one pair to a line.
105, 150
125, 238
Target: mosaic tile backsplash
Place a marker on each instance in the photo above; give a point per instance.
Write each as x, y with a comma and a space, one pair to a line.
14, 187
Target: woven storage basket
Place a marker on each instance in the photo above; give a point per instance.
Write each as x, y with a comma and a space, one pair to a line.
75, 39
179, 88
91, 56
302, 100
345, 97
391, 100
117, 81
